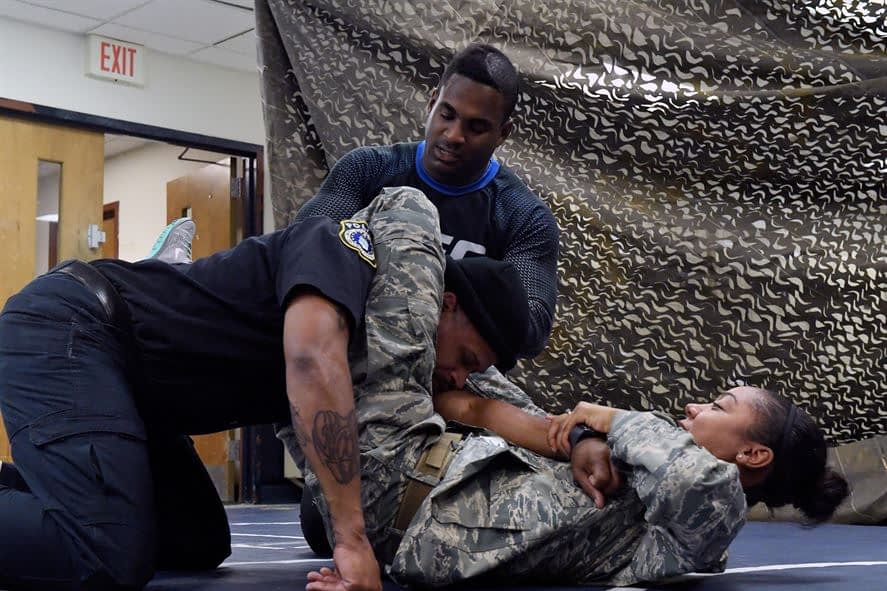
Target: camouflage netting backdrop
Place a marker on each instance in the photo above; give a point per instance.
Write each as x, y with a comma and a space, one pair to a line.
717, 168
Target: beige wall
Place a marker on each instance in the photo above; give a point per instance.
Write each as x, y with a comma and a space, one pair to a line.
137, 179
178, 94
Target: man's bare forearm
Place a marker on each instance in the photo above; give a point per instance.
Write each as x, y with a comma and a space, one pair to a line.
504, 419
322, 405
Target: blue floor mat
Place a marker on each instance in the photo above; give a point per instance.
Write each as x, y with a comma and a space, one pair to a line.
269, 553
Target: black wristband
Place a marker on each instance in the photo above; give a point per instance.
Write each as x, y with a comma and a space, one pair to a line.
580, 432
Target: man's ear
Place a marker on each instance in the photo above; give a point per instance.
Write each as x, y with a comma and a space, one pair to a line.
450, 301
755, 456
505, 131
432, 99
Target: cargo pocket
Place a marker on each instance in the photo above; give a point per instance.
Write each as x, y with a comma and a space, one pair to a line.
94, 467
68, 423
499, 504
93, 474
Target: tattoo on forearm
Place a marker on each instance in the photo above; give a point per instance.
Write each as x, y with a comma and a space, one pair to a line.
335, 439
301, 435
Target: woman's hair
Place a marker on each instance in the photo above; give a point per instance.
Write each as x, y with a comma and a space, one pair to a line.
799, 475
487, 65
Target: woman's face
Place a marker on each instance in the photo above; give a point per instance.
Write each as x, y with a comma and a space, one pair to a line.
721, 426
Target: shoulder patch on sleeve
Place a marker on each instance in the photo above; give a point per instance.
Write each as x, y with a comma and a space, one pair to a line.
355, 234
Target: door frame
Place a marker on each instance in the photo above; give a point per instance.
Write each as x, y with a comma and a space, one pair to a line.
112, 211
253, 206
261, 454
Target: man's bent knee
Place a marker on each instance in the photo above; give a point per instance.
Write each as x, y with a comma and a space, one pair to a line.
123, 558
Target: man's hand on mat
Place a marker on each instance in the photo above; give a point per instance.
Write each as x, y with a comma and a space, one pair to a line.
593, 470
356, 570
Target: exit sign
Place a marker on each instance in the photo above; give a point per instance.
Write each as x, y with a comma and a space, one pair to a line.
115, 60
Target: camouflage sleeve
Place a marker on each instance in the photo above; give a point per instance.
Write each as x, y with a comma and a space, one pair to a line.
393, 385
392, 355
694, 502
494, 384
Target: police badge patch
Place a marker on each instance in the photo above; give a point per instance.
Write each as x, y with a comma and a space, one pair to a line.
355, 234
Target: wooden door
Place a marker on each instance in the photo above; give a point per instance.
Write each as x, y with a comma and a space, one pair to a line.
111, 228
205, 196
81, 155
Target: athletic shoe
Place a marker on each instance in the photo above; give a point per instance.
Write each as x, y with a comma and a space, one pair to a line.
174, 243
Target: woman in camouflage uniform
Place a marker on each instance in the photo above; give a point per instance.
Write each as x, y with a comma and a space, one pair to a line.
504, 514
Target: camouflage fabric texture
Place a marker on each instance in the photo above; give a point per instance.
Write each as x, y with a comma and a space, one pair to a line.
507, 515
494, 384
500, 511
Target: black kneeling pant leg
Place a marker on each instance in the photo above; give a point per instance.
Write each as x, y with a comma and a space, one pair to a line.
10, 477
86, 518
192, 526
312, 525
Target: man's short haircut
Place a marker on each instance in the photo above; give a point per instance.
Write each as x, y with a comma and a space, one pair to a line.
487, 65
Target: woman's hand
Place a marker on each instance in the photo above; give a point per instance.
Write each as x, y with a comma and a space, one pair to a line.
596, 416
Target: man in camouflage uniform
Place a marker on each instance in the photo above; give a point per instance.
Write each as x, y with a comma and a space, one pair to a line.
395, 354
502, 512
399, 345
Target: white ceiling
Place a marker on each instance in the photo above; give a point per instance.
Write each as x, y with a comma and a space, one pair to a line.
119, 144
219, 32
115, 145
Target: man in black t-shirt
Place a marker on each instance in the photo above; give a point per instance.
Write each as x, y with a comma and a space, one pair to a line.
104, 367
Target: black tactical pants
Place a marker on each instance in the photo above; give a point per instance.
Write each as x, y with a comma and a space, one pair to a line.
102, 501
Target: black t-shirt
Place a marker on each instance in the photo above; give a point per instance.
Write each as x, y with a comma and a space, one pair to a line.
498, 216
209, 336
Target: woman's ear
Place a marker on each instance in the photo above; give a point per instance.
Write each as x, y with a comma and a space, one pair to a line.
754, 456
